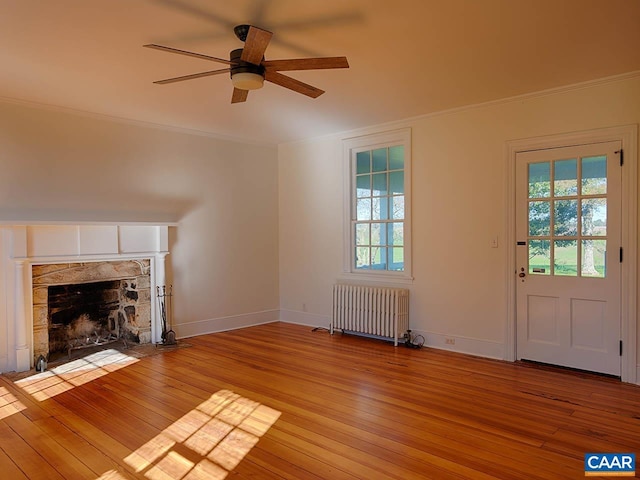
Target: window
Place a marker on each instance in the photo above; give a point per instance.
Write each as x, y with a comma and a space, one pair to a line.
568, 217
378, 233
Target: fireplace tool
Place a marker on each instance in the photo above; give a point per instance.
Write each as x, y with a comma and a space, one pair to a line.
164, 308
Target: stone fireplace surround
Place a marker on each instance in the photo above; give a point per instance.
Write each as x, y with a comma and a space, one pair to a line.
76, 305
25, 246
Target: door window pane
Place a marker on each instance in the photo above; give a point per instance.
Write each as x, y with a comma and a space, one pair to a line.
594, 217
565, 178
539, 180
594, 175
565, 217
565, 257
539, 219
539, 257
593, 258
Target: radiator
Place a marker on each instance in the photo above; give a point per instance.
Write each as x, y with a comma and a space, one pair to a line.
377, 311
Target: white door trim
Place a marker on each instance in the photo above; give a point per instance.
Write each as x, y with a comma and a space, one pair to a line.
628, 135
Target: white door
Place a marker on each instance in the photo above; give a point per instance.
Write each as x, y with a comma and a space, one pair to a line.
568, 232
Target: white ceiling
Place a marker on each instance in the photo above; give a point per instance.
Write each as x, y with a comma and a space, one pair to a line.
407, 57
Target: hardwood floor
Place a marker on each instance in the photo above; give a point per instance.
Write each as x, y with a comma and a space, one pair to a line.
281, 401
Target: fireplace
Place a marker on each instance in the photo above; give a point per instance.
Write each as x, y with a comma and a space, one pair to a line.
82, 305
36, 257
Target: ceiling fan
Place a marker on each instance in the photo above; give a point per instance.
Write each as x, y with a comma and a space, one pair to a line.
249, 69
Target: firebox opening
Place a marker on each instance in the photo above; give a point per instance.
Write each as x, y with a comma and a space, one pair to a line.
91, 314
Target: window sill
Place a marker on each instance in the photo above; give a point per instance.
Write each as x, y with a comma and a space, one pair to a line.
382, 277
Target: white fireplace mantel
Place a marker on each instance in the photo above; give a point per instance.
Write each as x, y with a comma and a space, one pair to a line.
25, 245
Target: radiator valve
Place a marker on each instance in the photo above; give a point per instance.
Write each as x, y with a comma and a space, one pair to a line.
408, 338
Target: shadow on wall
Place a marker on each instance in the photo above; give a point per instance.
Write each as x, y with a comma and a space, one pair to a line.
147, 209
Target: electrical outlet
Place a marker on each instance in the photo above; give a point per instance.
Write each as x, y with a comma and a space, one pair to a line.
450, 341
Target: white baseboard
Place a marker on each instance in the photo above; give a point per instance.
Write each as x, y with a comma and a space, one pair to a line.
305, 318
468, 345
222, 324
471, 346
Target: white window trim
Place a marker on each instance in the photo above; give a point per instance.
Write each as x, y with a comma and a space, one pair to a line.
377, 140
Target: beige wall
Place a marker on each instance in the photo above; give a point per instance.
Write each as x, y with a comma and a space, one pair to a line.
459, 204
56, 166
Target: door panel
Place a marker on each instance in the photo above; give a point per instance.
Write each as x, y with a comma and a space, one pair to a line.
568, 229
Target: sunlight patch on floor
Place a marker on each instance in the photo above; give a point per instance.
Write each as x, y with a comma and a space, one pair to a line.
50, 383
206, 443
9, 404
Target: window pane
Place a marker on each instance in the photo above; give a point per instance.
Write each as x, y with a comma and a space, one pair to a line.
539, 257
565, 178
396, 259
539, 180
363, 209
594, 175
378, 236
380, 208
380, 184
565, 216
362, 258
395, 234
593, 258
594, 217
363, 186
362, 234
539, 219
380, 160
396, 183
379, 258
565, 257
397, 207
363, 162
396, 158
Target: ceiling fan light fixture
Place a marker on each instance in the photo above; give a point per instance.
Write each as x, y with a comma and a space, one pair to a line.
247, 80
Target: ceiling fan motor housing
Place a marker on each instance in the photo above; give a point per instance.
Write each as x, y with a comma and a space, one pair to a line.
239, 66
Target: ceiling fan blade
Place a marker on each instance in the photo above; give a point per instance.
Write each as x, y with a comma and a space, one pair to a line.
239, 95
305, 64
192, 76
189, 54
255, 45
293, 84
